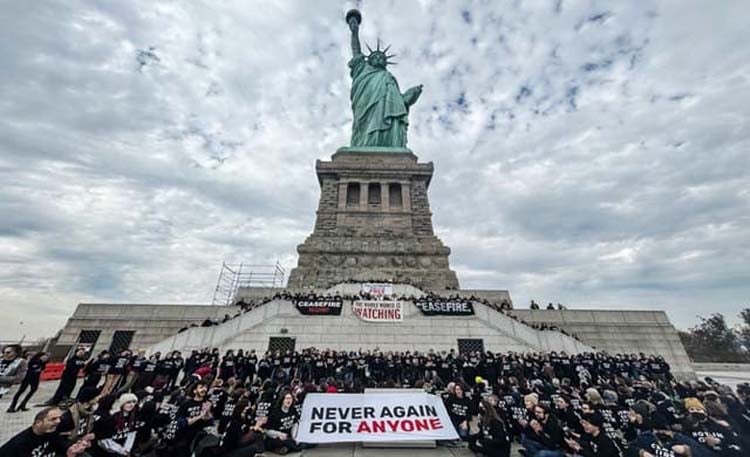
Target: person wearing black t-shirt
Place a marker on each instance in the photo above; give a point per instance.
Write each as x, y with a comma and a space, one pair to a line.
116, 432
244, 434
34, 370
69, 377
494, 438
78, 419
228, 366
96, 368
251, 365
193, 415
231, 403
543, 434
281, 421
264, 368
596, 443
217, 395
116, 372
176, 367
40, 440
147, 373
458, 408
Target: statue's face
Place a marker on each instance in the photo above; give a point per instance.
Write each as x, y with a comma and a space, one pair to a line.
376, 59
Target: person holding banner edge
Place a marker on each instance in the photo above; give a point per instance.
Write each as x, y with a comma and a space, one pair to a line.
459, 411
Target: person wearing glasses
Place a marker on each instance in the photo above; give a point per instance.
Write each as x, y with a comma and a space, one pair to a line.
12, 368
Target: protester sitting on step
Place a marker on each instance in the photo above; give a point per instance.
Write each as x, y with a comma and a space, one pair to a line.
78, 419
494, 438
281, 421
543, 436
244, 436
41, 440
459, 411
115, 433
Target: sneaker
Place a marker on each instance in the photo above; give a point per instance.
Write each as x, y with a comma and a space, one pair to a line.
10, 410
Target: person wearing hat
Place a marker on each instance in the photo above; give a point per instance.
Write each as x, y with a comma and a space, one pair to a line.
717, 435
594, 442
115, 433
78, 420
655, 437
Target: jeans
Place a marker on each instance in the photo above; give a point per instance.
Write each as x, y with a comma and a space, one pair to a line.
537, 449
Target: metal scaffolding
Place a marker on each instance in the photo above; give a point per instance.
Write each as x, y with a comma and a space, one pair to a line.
234, 276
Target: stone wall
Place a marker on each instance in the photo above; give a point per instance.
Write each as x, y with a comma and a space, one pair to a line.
362, 240
151, 323
613, 331
157, 325
416, 332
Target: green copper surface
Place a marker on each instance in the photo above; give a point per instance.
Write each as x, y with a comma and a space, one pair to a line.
380, 109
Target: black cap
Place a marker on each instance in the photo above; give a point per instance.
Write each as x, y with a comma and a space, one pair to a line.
595, 419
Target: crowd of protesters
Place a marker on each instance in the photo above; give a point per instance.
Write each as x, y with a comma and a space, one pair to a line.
241, 403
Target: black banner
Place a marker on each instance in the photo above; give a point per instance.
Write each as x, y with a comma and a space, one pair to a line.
320, 307
445, 308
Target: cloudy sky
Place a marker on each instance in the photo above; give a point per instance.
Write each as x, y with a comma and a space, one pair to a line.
591, 153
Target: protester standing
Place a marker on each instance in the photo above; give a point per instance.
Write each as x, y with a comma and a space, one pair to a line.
12, 368
34, 371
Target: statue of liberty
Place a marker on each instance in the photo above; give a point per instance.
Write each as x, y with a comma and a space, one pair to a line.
380, 109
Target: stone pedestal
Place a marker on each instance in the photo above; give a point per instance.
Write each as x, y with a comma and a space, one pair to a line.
373, 223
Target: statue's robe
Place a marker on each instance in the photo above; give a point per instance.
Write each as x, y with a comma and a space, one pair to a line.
380, 114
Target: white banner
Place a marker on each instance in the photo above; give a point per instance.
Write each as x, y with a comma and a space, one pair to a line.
377, 289
378, 311
335, 418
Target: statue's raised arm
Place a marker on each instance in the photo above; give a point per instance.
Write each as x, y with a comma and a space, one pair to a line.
353, 18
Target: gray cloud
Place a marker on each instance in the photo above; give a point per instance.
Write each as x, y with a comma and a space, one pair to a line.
598, 152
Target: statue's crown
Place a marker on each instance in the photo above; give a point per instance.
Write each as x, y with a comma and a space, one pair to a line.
381, 53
